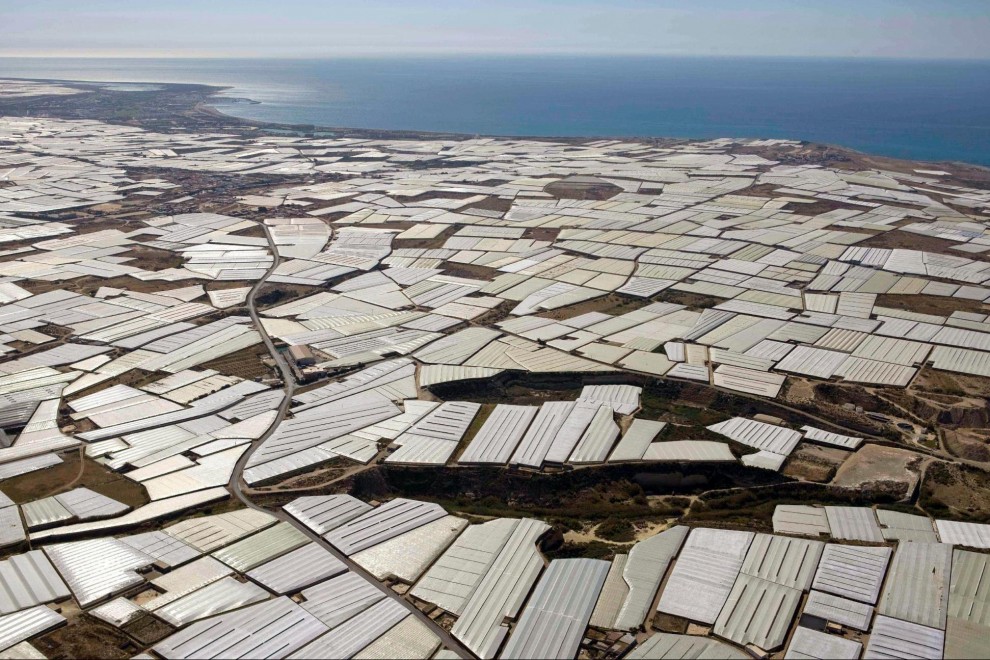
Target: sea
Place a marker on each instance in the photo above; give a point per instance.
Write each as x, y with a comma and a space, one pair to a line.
919, 110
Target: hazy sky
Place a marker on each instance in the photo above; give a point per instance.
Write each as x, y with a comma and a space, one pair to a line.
326, 28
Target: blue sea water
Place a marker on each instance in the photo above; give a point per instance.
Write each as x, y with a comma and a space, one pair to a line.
923, 110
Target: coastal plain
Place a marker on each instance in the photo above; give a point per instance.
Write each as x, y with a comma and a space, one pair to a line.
293, 391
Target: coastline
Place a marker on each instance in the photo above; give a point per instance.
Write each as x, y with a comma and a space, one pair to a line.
194, 105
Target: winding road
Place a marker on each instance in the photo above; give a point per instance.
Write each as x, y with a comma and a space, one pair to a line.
235, 486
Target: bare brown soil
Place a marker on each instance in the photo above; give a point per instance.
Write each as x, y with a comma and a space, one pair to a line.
693, 301
434, 243
957, 492
245, 363
542, 233
943, 382
939, 305
320, 474
148, 630
86, 637
876, 464
611, 303
582, 187
254, 231
492, 204
813, 463
154, 259
670, 623
65, 476
87, 286
969, 444
469, 271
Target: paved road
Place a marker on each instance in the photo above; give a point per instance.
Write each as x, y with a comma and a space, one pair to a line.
235, 485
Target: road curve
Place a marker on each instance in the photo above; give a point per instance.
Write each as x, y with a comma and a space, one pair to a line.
235, 484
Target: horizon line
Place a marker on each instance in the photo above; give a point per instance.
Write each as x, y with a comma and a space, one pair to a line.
490, 54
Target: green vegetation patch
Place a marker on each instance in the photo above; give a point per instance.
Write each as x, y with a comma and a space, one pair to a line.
621, 531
